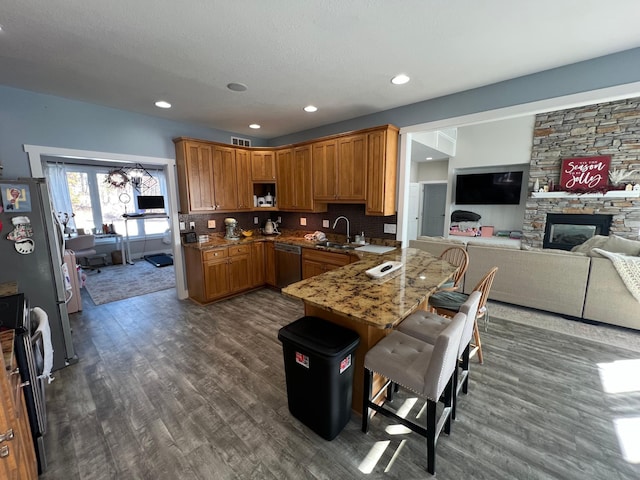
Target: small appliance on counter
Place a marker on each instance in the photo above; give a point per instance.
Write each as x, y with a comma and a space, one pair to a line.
271, 228
231, 224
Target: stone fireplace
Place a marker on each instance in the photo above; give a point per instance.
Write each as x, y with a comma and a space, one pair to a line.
565, 231
594, 130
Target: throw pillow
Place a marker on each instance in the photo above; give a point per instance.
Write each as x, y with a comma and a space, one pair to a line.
621, 245
597, 241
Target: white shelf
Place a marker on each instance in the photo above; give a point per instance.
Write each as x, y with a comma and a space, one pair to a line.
609, 194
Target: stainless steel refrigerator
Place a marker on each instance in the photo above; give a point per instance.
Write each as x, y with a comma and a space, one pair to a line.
32, 254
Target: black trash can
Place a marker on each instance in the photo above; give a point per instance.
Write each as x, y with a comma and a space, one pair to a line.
318, 365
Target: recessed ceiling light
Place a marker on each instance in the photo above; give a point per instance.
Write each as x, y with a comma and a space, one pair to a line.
163, 104
254, 125
429, 158
237, 87
310, 109
400, 79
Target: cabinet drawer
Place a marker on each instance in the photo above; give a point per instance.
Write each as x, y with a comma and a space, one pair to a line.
322, 256
214, 254
239, 250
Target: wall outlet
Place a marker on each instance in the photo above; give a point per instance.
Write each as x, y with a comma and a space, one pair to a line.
211, 223
303, 221
183, 225
389, 228
192, 225
325, 223
255, 220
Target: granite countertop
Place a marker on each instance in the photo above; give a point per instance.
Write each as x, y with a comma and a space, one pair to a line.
383, 302
293, 237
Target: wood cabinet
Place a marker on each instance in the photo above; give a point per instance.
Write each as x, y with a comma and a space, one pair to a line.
225, 178
352, 168
194, 161
295, 180
382, 165
325, 170
315, 262
270, 264
240, 275
243, 175
263, 166
257, 265
17, 455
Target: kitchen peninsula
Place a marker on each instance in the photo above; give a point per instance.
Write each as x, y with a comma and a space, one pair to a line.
372, 307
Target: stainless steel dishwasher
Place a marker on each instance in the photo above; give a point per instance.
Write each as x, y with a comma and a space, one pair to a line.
288, 264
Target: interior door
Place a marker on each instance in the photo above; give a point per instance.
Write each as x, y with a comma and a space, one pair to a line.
414, 211
433, 209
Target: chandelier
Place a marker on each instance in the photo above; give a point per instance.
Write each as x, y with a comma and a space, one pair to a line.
138, 176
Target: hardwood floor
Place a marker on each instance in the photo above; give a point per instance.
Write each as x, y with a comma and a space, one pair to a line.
167, 389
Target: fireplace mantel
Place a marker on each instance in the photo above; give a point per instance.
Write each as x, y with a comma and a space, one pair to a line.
609, 194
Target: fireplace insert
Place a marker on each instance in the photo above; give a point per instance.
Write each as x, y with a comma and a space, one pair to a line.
565, 231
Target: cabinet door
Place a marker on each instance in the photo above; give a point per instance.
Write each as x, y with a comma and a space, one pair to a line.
225, 181
285, 177
216, 279
269, 263
243, 176
240, 273
382, 159
352, 168
195, 177
302, 176
263, 166
311, 268
257, 264
324, 161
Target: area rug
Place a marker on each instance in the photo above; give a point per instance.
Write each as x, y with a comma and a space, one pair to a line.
118, 282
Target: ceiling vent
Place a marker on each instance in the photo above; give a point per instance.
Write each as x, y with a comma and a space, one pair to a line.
241, 142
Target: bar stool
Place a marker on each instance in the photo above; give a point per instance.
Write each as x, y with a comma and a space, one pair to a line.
447, 304
425, 370
459, 257
426, 326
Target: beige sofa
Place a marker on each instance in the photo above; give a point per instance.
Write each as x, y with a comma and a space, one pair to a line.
566, 283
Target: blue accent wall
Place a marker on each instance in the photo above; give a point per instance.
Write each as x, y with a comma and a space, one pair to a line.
37, 119
611, 70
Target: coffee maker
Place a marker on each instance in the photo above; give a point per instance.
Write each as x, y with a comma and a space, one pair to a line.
231, 224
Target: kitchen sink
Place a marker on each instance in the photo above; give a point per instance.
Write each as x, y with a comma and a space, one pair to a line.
342, 246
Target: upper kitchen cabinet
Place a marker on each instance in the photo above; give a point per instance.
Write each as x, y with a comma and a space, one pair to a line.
325, 170
243, 174
294, 175
352, 168
225, 178
340, 169
263, 165
194, 161
382, 164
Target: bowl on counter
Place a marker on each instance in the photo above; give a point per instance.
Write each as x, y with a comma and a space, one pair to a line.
247, 233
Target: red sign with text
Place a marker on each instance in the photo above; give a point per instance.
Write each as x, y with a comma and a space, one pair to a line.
585, 173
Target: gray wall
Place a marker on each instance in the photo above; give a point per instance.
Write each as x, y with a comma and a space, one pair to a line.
37, 119
611, 70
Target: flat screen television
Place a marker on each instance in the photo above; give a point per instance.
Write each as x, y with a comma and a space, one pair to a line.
499, 188
149, 202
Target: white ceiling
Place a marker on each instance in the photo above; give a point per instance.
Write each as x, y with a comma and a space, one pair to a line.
336, 54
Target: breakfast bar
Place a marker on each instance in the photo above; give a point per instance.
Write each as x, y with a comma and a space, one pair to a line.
372, 306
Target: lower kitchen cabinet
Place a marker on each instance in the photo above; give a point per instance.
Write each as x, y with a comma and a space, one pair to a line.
17, 454
315, 262
270, 263
257, 265
240, 276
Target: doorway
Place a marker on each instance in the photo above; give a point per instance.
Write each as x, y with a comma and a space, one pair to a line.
434, 199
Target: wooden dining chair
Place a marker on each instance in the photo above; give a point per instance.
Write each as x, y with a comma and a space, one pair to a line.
447, 304
459, 257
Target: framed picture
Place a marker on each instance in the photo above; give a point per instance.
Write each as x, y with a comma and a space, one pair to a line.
15, 197
585, 174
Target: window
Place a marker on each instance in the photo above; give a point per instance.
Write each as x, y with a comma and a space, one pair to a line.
85, 191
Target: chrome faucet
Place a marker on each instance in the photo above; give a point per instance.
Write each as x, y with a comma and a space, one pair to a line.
346, 220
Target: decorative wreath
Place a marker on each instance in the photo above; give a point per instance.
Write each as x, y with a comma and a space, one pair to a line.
117, 178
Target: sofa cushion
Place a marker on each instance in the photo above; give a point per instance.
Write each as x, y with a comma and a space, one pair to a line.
597, 241
625, 246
